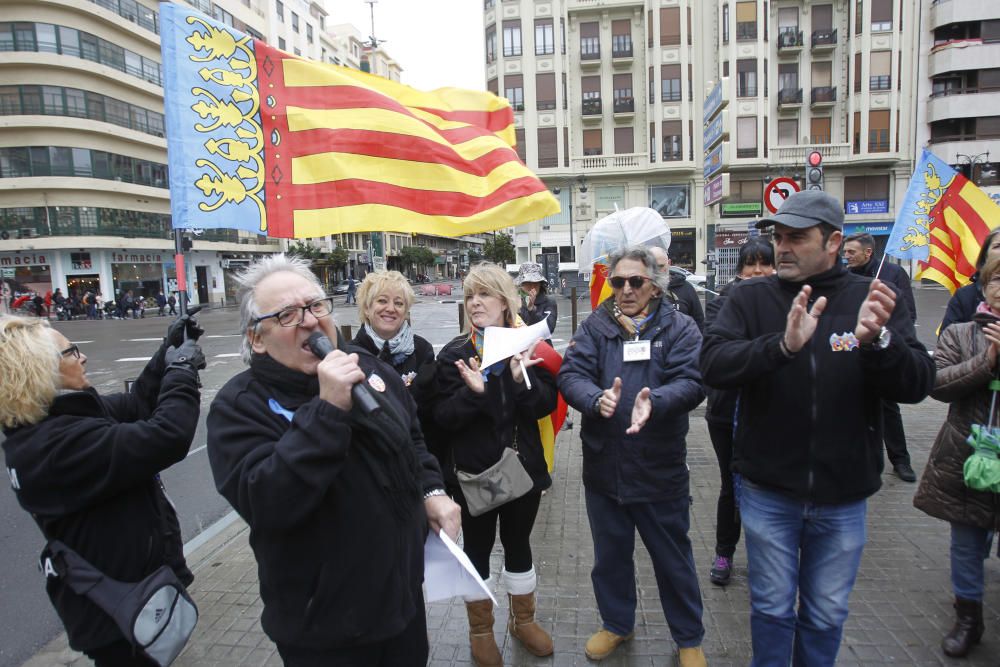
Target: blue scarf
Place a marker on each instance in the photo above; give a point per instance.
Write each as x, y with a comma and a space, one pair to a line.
400, 345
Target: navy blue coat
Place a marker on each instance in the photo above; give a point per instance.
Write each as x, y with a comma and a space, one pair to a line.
651, 464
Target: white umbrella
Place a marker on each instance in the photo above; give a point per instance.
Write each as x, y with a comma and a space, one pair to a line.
633, 226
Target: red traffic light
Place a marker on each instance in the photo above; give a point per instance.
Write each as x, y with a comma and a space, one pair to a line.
815, 159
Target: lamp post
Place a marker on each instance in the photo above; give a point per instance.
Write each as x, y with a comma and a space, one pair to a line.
581, 183
973, 161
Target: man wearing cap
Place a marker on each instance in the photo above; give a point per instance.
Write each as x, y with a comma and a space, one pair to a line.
813, 351
536, 304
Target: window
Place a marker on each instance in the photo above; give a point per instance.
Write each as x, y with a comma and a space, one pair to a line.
670, 83
592, 142
545, 91
621, 38
652, 142
622, 84
222, 16
746, 77
746, 20
562, 35
859, 23
788, 132
990, 31
670, 26
878, 131
309, 33
673, 140
512, 38
624, 141
295, 22
544, 37
819, 130
492, 86
746, 191
590, 41
565, 96
788, 79
725, 23
822, 82
513, 90
880, 70
281, 43
279, 8
45, 34
548, 147
881, 15
866, 188
297, 51
491, 44
788, 20
822, 18
746, 136
590, 87
519, 139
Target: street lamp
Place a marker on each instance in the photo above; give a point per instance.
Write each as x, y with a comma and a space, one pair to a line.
973, 161
581, 184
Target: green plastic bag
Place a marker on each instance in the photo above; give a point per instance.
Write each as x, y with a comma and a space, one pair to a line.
982, 469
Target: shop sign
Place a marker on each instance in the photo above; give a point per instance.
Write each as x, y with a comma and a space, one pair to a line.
866, 207
741, 209
681, 234
23, 260
873, 228
136, 258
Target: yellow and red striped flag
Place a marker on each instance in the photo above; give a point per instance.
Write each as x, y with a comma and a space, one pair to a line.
280, 145
600, 289
548, 427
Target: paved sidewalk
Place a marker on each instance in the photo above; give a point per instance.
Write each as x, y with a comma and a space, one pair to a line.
900, 608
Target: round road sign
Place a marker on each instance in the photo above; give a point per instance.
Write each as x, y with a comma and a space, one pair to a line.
777, 191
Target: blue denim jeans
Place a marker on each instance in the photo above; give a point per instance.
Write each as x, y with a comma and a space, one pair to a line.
970, 547
797, 548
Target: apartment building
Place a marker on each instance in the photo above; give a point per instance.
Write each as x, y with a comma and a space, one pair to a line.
959, 85
609, 95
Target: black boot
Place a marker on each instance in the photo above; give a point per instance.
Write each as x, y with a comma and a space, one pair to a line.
968, 628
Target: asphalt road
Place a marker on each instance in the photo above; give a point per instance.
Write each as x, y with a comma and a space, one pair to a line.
116, 351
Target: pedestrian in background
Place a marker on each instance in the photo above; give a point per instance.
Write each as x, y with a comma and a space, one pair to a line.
966, 360
536, 304
5, 297
171, 303
482, 412
963, 303
161, 302
756, 260
352, 288
859, 254
679, 291
632, 372
813, 351
87, 466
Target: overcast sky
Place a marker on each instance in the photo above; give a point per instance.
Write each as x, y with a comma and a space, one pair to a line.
437, 42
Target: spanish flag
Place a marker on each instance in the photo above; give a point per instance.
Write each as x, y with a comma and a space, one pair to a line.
600, 289
275, 144
548, 427
943, 222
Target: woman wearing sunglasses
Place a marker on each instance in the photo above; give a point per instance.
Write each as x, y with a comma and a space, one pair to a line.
86, 466
632, 372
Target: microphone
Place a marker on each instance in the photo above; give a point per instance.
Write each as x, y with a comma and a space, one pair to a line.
321, 346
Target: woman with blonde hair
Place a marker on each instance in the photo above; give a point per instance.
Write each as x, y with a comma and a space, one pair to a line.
482, 412
85, 466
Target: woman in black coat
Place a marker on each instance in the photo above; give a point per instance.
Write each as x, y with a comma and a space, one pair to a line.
86, 466
483, 411
536, 303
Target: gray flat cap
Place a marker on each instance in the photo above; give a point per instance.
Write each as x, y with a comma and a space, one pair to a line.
807, 209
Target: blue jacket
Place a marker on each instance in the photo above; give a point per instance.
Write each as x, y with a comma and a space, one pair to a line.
649, 465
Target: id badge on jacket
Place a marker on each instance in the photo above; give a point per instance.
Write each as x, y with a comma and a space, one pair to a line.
636, 350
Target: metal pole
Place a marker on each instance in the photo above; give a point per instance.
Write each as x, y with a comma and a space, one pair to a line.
573, 306
182, 295
461, 315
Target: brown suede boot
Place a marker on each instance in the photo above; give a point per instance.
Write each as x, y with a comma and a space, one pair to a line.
484, 645
692, 657
523, 626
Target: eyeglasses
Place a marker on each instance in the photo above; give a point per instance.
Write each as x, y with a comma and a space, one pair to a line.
294, 315
71, 351
635, 282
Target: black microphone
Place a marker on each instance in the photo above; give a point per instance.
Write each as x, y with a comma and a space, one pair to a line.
321, 346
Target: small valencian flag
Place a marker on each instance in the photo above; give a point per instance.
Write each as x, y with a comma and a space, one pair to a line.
943, 221
275, 144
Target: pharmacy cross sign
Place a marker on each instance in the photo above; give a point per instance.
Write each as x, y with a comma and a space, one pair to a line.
777, 191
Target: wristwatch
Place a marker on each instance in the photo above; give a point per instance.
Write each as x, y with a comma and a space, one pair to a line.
881, 341
435, 492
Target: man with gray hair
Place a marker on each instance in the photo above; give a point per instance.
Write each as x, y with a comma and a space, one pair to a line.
632, 372
338, 509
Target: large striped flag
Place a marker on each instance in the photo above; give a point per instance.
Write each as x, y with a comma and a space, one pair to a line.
264, 141
943, 222
599, 287
548, 427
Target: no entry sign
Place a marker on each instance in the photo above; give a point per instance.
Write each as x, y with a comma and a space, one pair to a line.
777, 191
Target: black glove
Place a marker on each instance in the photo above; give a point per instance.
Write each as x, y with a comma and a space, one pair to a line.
187, 355
175, 332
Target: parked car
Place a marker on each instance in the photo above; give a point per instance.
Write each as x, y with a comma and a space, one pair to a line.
340, 288
693, 278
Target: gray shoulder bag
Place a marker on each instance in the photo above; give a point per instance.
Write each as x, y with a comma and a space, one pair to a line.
504, 481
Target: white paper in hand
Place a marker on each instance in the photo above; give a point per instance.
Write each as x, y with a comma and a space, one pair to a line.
500, 343
448, 572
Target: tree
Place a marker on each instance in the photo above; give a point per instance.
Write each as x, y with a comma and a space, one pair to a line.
304, 250
499, 249
417, 256
338, 258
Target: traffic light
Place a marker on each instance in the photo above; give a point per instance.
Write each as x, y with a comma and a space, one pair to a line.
186, 243
814, 171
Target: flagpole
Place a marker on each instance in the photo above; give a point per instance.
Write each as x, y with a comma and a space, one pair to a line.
179, 264
880, 265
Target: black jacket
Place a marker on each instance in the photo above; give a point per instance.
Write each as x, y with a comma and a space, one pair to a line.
477, 427
335, 568
685, 299
896, 277
721, 408
87, 474
811, 426
962, 305
543, 303
423, 354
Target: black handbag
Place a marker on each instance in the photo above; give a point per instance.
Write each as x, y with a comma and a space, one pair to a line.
156, 615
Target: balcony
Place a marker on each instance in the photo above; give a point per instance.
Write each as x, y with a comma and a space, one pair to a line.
946, 13
823, 40
624, 107
621, 50
961, 56
880, 82
796, 154
746, 31
591, 107
610, 164
789, 41
822, 97
789, 98
590, 52
962, 103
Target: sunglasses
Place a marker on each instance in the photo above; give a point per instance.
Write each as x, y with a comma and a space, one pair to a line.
635, 282
72, 350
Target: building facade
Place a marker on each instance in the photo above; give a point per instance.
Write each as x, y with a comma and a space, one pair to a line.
609, 100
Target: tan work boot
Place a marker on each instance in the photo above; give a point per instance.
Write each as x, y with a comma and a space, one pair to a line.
693, 657
484, 645
523, 626
603, 643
